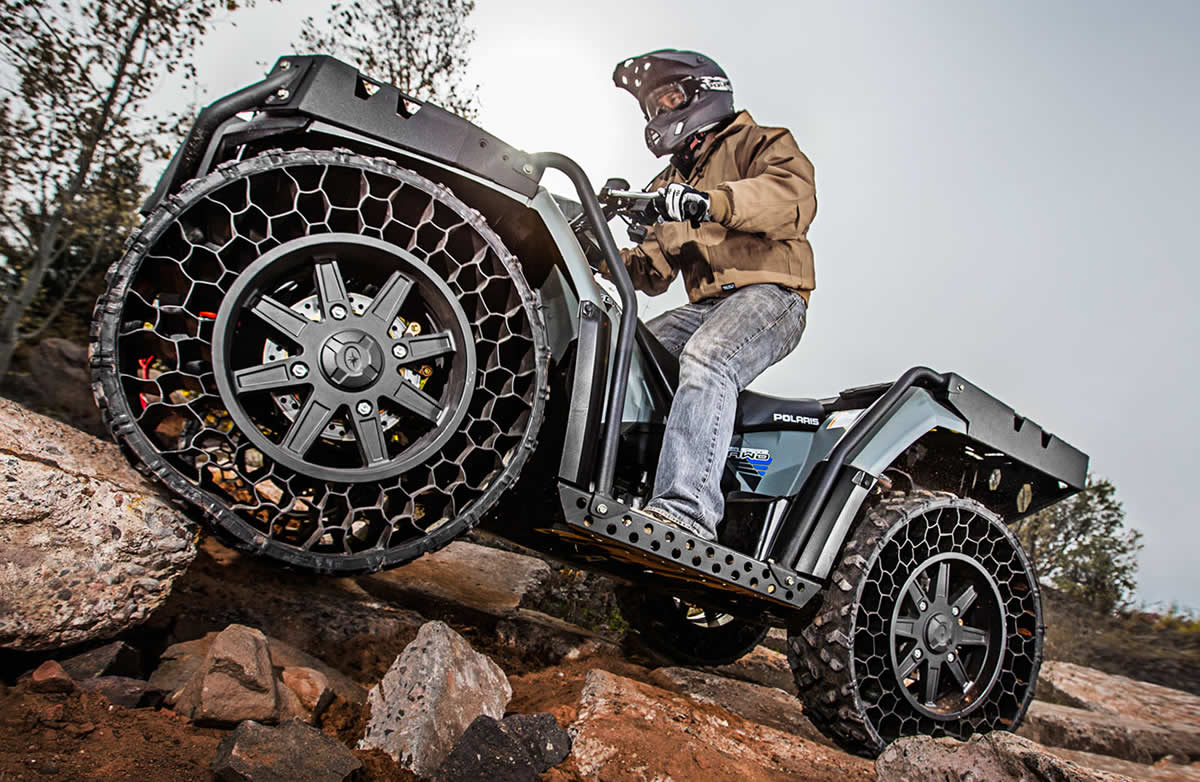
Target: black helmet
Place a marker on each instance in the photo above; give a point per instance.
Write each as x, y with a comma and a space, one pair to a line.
680, 93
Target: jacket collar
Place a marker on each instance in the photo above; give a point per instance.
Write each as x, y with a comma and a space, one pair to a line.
742, 121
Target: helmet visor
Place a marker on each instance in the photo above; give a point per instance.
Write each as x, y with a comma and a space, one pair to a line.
668, 97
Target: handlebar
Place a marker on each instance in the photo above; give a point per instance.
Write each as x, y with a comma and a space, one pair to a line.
631, 195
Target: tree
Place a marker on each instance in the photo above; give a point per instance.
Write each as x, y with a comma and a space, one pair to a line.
419, 46
75, 76
1082, 546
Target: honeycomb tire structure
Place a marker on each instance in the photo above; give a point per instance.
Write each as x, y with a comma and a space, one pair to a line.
685, 633
333, 358
931, 624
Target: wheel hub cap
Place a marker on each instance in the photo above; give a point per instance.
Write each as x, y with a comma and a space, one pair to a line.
938, 632
352, 359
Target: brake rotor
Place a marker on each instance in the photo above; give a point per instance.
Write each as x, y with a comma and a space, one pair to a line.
290, 404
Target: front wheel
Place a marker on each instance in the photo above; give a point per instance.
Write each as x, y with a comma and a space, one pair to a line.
687, 633
932, 625
334, 358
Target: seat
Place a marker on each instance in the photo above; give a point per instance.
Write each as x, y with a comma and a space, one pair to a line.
755, 412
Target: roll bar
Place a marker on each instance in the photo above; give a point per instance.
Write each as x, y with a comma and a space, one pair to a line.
628, 326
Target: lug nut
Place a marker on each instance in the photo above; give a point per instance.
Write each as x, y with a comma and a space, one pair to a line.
337, 311
950, 657
923, 605
364, 408
399, 351
300, 370
954, 610
916, 654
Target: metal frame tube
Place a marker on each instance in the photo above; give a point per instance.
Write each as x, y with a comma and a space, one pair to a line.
840, 455
625, 333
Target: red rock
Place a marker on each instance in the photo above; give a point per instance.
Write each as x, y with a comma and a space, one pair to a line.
762, 666
115, 659
234, 683
765, 705
293, 752
465, 575
50, 677
310, 690
626, 730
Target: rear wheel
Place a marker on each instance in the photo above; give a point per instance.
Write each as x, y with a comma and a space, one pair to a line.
333, 357
931, 625
687, 633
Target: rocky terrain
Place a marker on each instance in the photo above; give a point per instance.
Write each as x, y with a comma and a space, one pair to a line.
134, 647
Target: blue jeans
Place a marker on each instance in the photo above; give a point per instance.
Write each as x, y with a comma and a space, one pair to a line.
722, 345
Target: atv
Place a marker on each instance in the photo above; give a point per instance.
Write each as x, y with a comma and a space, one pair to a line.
353, 326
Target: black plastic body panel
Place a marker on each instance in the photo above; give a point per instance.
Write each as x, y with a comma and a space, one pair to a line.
319, 87
995, 424
337, 93
586, 396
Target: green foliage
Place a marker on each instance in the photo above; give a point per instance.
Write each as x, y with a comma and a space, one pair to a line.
418, 45
1082, 546
74, 137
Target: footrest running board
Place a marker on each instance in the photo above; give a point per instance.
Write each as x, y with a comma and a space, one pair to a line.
676, 554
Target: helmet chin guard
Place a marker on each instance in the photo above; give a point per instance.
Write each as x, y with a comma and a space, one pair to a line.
708, 95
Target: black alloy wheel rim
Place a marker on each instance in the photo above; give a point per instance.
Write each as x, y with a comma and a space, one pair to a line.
947, 636
346, 360
983, 553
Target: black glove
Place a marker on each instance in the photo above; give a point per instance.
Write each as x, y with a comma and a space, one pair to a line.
677, 202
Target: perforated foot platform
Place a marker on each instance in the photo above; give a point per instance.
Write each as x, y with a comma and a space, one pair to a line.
672, 552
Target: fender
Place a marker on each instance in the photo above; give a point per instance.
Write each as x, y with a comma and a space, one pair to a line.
917, 414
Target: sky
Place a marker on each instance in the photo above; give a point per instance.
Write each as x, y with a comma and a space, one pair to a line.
1007, 190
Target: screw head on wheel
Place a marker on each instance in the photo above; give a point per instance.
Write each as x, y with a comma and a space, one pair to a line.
399, 351
300, 370
364, 408
337, 311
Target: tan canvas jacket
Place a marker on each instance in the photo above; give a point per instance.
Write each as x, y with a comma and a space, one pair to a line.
763, 200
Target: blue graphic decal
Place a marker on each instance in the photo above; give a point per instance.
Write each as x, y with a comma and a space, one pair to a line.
750, 463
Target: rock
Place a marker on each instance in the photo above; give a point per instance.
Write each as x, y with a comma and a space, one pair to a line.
776, 640
462, 575
487, 753
234, 683
115, 659
549, 640
285, 656
311, 693
995, 757
1107, 734
289, 753
178, 664
429, 697
58, 369
331, 614
765, 705
50, 677
123, 691
1162, 771
181, 661
1087, 688
88, 547
544, 740
762, 666
629, 730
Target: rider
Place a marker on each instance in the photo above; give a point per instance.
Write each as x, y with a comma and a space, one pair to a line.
736, 202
